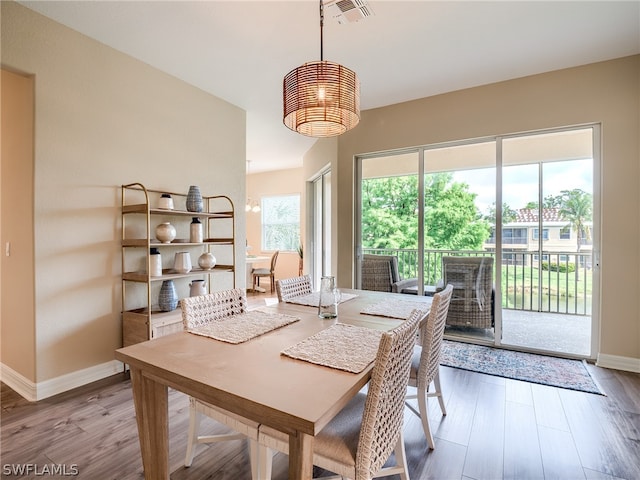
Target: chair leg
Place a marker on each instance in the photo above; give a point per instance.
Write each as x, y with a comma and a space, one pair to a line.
438, 392
401, 457
422, 406
273, 281
192, 436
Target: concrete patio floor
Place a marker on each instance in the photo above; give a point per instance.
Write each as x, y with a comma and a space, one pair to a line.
548, 332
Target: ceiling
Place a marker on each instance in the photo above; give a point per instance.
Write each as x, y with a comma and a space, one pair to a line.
240, 50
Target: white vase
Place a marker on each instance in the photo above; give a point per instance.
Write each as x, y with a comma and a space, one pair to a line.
165, 232
198, 287
182, 262
165, 202
207, 261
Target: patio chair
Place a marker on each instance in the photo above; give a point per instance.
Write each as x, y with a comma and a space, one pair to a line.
293, 287
425, 364
472, 300
358, 441
198, 311
380, 273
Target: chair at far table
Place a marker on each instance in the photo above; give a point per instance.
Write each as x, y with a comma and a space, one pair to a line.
425, 364
293, 287
257, 273
357, 442
199, 311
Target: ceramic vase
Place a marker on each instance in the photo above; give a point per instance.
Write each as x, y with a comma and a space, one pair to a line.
165, 202
194, 199
168, 299
155, 263
198, 287
165, 232
195, 231
182, 262
207, 261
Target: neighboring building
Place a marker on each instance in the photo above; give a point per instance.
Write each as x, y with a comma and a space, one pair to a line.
521, 245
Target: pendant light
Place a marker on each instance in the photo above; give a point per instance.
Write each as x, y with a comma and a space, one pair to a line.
321, 98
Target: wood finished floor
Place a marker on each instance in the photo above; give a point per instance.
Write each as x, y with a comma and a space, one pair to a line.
495, 428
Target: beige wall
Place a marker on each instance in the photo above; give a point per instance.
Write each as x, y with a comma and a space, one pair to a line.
281, 182
103, 119
17, 322
606, 93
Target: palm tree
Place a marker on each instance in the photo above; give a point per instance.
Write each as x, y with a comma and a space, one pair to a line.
576, 208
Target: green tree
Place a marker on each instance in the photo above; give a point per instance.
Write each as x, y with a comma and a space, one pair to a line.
576, 208
390, 206
508, 214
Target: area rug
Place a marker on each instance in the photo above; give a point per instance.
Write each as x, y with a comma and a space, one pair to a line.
528, 367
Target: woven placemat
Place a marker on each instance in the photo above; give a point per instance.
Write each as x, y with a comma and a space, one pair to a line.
341, 346
244, 326
313, 299
396, 309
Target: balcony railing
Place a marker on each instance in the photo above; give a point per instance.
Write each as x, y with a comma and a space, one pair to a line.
555, 282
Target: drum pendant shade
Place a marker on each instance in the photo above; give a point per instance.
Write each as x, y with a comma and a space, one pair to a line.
321, 98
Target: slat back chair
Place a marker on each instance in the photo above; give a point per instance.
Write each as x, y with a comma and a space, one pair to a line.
202, 310
270, 272
293, 287
358, 441
425, 364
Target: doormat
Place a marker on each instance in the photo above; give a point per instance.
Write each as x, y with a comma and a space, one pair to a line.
528, 367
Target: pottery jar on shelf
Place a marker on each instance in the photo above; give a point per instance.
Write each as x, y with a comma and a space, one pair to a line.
165, 232
182, 262
165, 202
168, 299
194, 199
198, 287
195, 231
155, 263
207, 261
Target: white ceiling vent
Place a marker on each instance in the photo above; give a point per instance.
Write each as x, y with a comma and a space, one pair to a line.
348, 11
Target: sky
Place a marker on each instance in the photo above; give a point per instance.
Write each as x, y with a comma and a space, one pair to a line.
521, 182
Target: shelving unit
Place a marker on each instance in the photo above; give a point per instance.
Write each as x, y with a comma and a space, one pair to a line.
141, 318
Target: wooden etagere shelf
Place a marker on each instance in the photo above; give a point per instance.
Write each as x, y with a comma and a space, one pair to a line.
142, 319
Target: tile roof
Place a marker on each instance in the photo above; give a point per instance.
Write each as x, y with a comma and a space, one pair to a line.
530, 215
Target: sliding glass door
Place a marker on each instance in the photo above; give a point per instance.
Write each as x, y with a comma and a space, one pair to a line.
425, 204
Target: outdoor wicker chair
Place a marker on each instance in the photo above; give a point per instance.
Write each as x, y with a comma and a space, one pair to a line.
358, 441
472, 300
199, 311
293, 287
380, 273
425, 364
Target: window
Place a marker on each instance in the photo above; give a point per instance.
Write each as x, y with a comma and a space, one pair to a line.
512, 236
545, 234
281, 222
565, 233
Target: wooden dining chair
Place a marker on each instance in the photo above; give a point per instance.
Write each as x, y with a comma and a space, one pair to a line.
270, 272
425, 364
358, 441
293, 287
196, 312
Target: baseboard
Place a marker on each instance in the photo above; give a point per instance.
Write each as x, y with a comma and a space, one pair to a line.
38, 391
616, 362
18, 383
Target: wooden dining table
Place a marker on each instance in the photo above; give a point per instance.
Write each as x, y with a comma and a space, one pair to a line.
252, 379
